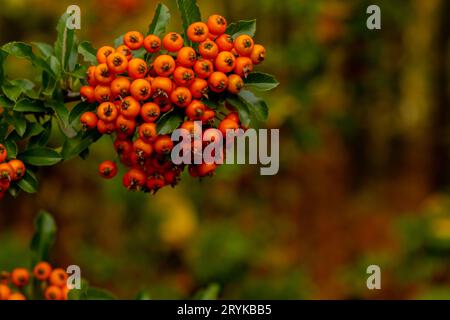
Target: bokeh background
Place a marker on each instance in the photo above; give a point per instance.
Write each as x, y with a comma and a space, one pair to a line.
365, 164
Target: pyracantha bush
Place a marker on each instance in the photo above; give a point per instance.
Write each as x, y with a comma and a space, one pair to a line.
140, 89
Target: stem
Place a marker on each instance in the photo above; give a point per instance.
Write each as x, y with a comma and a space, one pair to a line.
71, 97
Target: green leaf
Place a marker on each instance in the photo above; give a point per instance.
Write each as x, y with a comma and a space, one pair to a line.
45, 49
11, 91
190, 13
143, 295
256, 106
88, 52
73, 147
65, 42
44, 237
210, 293
79, 109
99, 294
40, 157
247, 27
118, 41
23, 50
27, 105
160, 21
3, 56
55, 65
11, 148
14, 191
41, 139
242, 109
261, 81
28, 183
62, 114
6, 103
169, 122
33, 129
20, 123
79, 294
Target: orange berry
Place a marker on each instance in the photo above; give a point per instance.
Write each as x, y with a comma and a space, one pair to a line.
187, 57
87, 93
217, 24
137, 68
181, 96
199, 88
198, 32
183, 76
235, 84
130, 108
152, 43
117, 63
53, 293
5, 292
6, 172
16, 296
244, 45
148, 132
18, 169
161, 86
208, 49
225, 42
107, 169
195, 110
150, 112
164, 65
218, 82
141, 89
124, 50
106, 127
102, 93
20, 277
42, 271
258, 54
58, 278
125, 127
107, 111
120, 87
203, 68
225, 62
103, 53
133, 40
103, 75
163, 145
173, 42
244, 66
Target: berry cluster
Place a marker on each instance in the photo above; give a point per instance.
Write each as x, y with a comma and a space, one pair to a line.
52, 282
10, 171
133, 94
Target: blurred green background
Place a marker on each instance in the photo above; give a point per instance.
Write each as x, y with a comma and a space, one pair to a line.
365, 164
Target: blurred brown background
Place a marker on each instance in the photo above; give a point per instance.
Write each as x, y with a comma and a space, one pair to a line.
364, 118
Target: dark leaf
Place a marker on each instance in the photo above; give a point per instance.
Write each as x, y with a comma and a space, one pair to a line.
28, 183
247, 27
169, 122
190, 13
160, 21
44, 237
28, 105
73, 147
40, 157
88, 52
261, 81
256, 106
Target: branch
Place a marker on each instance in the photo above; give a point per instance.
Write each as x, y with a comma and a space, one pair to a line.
71, 97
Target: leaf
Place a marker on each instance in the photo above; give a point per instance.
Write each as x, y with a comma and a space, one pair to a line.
11, 148
20, 123
45, 49
261, 81
160, 21
23, 50
40, 157
41, 139
11, 91
33, 129
43, 238
64, 42
55, 65
62, 114
143, 295
79, 109
88, 52
79, 294
190, 13
242, 109
210, 293
3, 56
73, 147
256, 106
247, 27
6, 103
27, 105
118, 41
169, 122
28, 183
99, 294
